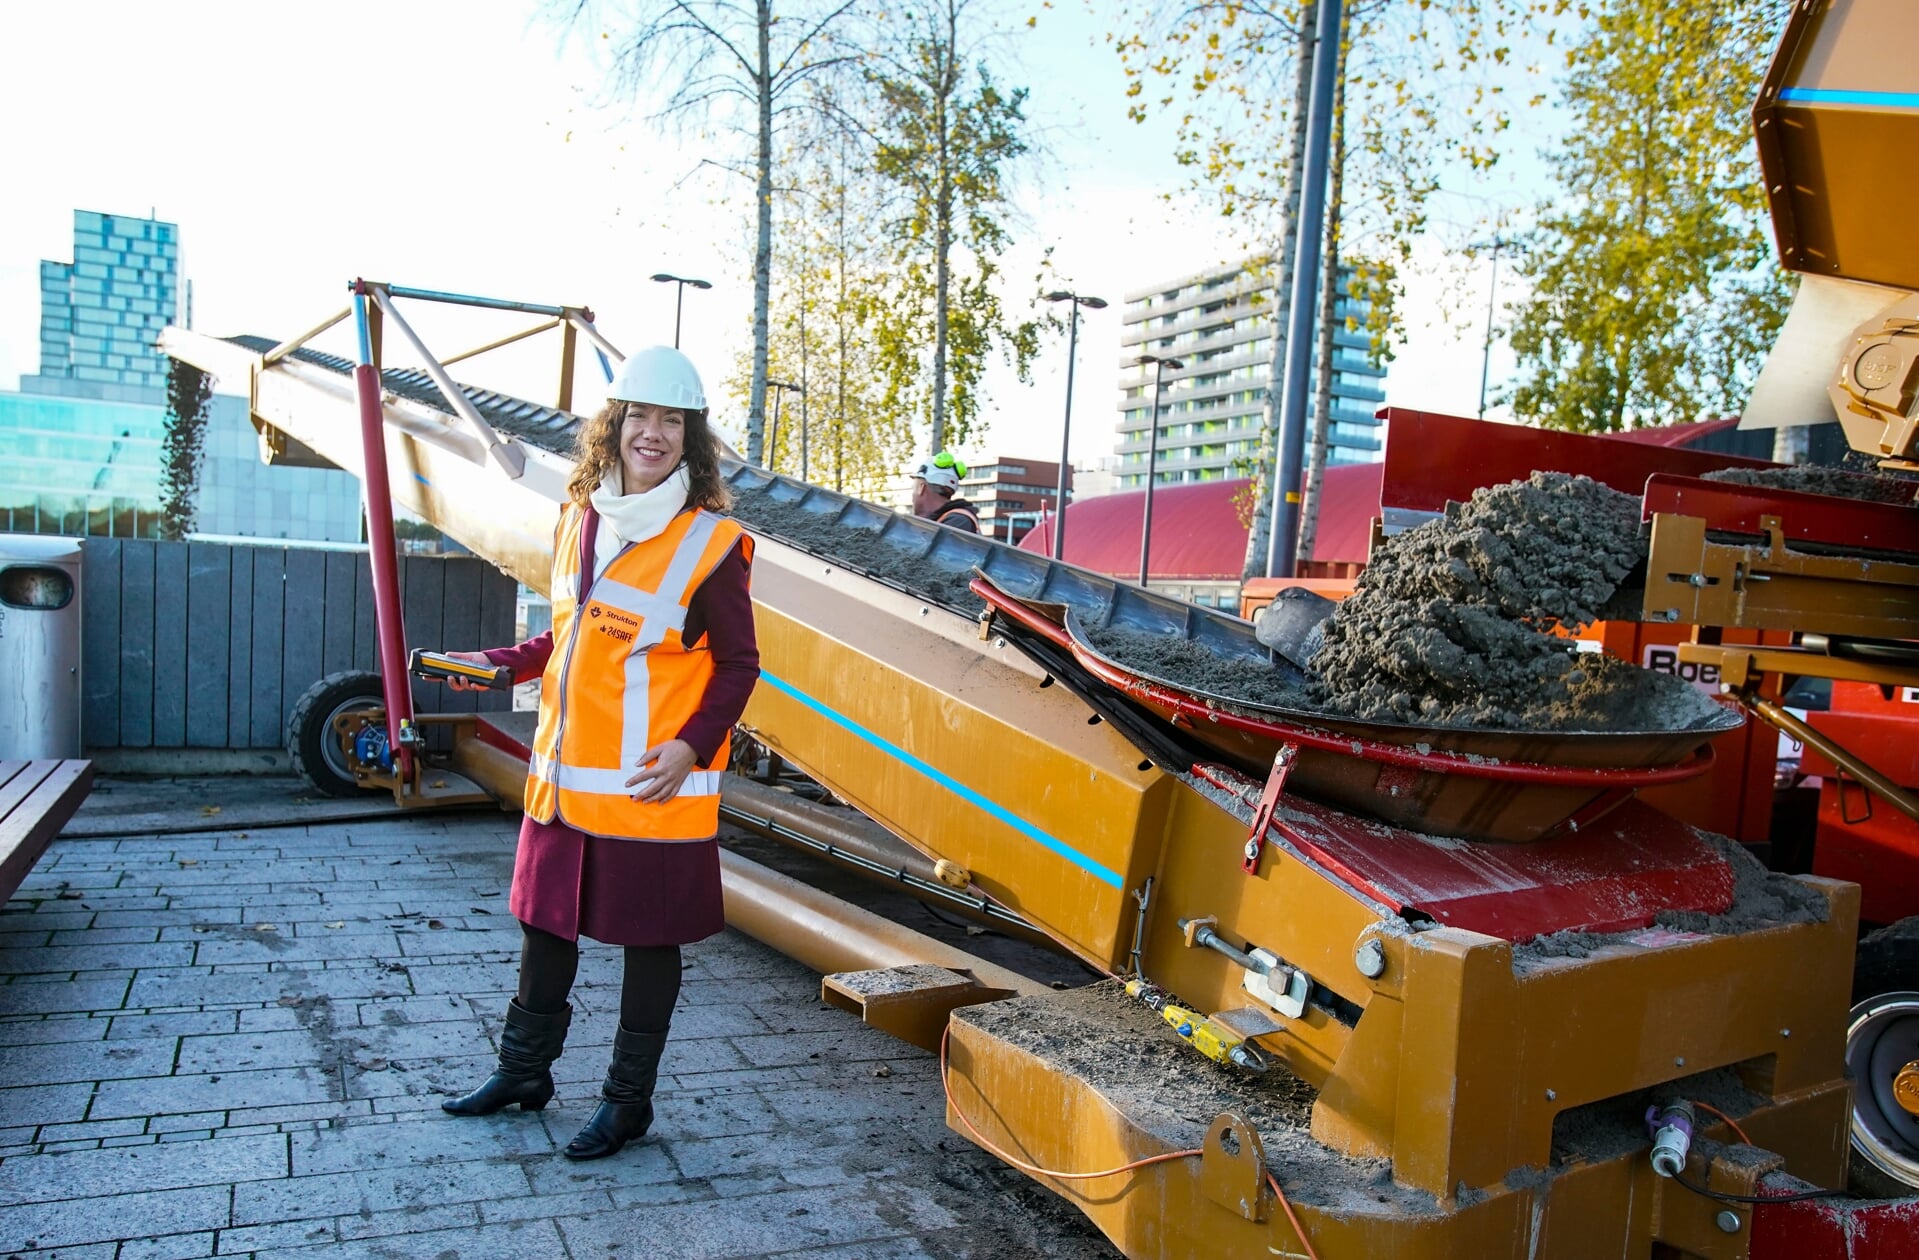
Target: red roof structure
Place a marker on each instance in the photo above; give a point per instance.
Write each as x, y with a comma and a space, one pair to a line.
1197, 532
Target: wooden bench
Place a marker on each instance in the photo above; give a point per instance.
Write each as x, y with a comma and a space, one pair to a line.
36, 799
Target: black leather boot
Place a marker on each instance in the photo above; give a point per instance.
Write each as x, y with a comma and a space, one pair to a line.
626, 1100
528, 1045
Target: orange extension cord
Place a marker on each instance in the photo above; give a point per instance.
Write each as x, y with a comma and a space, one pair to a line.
1731, 1123
1037, 1171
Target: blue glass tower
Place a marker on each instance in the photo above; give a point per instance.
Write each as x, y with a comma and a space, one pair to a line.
101, 314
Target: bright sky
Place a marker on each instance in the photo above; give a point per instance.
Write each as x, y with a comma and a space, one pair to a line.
462, 145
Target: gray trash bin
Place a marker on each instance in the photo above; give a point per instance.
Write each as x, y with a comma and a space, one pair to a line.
39, 646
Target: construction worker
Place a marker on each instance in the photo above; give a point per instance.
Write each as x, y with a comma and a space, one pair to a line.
936, 481
648, 666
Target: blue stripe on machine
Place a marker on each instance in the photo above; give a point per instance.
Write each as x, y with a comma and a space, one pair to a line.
1842, 96
951, 784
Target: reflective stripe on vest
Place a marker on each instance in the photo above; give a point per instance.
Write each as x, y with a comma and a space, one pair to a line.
613, 782
621, 681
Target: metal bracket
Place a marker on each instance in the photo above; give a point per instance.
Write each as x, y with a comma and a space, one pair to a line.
1281, 987
1232, 1167
1268, 803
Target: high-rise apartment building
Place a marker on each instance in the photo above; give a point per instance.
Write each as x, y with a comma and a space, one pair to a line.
81, 442
1212, 406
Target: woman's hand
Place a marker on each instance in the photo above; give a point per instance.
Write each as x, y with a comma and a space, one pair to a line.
663, 768
471, 658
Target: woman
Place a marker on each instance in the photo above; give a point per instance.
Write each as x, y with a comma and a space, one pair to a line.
649, 664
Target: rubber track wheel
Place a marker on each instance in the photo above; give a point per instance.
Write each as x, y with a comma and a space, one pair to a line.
1887, 962
309, 719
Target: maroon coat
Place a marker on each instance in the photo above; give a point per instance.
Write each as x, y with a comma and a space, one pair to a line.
641, 892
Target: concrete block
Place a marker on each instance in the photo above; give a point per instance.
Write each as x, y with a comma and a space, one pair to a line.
34, 1032
94, 957
87, 994
170, 1247
89, 1174
546, 1206
37, 1105
178, 1024
408, 1222
253, 1239
235, 1052
796, 1220
97, 935
210, 1092
382, 1190
301, 1113
512, 1240
451, 1141
94, 1129
277, 1018
190, 1122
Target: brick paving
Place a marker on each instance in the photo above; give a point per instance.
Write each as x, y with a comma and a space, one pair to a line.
235, 1043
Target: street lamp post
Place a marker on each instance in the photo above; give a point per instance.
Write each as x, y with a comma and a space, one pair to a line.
773, 438
1486, 352
1152, 456
679, 297
1066, 429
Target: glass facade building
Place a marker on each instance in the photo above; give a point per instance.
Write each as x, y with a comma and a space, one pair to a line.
101, 314
1219, 324
81, 442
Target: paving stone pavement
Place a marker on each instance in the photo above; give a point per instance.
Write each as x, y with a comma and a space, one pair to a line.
235, 1043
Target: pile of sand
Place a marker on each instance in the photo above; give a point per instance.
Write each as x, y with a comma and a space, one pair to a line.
1812, 479
1451, 623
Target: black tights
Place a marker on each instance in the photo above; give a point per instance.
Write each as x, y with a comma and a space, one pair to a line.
648, 990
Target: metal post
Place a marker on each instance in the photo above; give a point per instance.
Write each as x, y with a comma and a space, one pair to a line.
773, 435
779, 389
1486, 353
1152, 460
1065, 439
679, 297
388, 621
569, 345
1282, 545
1066, 428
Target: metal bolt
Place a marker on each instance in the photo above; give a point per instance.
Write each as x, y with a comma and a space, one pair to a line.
1785, 1032
1552, 1095
1370, 958
1728, 1222
999, 643
1680, 1061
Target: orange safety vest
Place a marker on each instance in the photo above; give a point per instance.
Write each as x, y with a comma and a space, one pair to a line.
620, 681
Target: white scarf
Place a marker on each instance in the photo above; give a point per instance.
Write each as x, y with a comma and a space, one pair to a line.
634, 518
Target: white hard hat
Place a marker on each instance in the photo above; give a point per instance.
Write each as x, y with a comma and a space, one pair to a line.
944, 476
660, 375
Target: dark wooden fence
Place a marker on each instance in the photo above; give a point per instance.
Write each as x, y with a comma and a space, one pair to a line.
208, 645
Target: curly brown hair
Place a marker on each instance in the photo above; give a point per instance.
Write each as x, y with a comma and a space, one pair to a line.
597, 452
